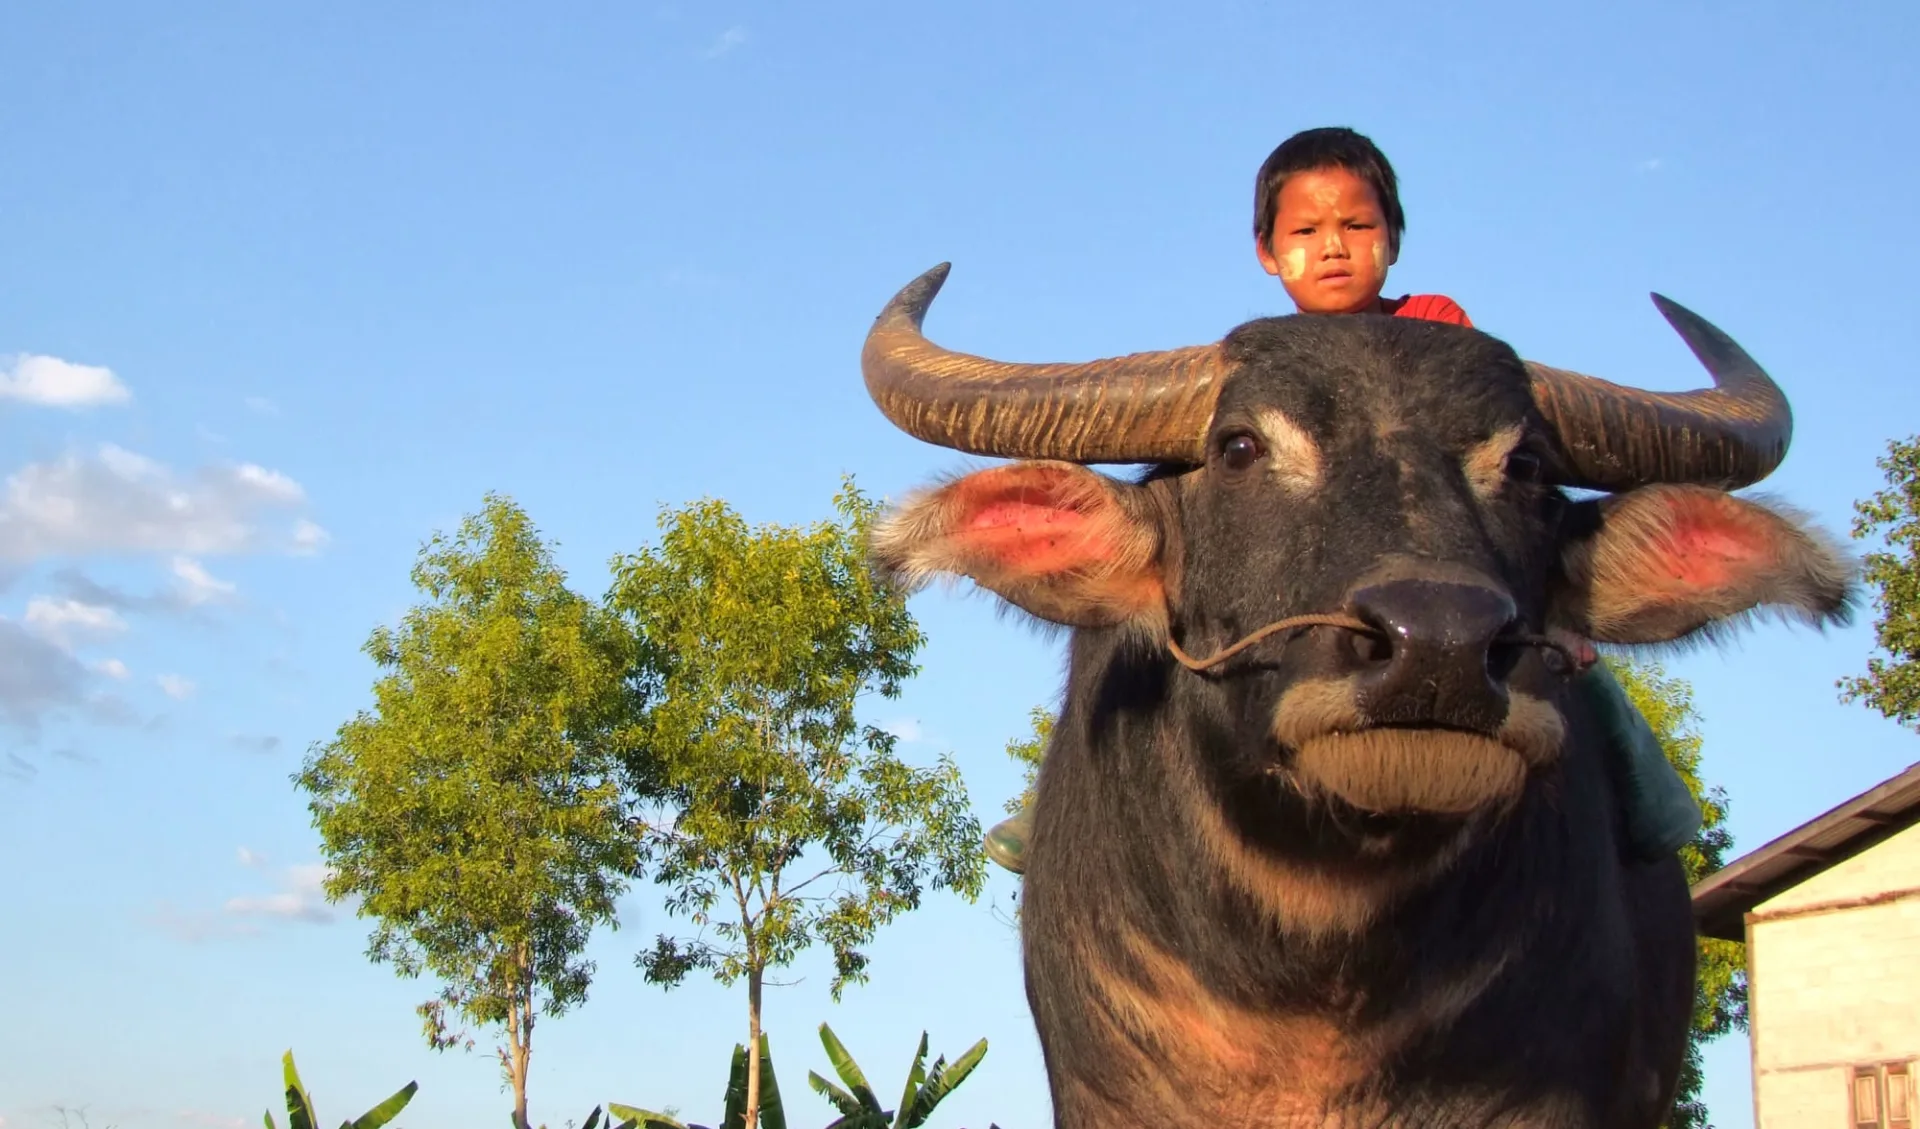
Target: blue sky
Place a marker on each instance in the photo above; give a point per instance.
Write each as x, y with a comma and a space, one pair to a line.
287, 288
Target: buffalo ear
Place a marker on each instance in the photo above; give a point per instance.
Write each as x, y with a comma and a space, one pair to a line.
1663, 562
1056, 540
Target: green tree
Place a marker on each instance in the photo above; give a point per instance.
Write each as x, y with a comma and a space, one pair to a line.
1720, 991
1720, 1003
785, 821
1892, 683
1028, 752
477, 811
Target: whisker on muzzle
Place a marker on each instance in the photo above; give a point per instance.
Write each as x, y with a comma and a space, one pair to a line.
1389, 769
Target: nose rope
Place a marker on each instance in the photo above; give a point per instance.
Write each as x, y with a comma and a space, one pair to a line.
1569, 662
1225, 653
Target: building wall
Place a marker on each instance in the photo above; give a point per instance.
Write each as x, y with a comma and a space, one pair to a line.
1834, 986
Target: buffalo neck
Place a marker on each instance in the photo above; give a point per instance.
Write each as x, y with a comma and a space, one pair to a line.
1298, 915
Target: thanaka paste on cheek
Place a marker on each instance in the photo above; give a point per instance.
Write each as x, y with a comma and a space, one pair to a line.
1380, 257
1293, 264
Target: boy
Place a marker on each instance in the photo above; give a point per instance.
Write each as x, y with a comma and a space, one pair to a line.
1327, 222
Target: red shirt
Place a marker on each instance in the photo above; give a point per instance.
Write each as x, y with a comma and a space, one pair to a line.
1429, 307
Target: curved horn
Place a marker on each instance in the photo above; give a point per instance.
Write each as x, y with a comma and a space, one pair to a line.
1615, 438
1141, 408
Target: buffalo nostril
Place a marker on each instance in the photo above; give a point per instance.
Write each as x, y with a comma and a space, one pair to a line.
1369, 647
1502, 657
1441, 650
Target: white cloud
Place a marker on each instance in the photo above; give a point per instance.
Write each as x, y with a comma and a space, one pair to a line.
728, 40
112, 668
193, 587
196, 586
255, 743
907, 729
37, 677
53, 383
1651, 164
117, 501
285, 904
40, 678
300, 898
308, 878
175, 687
263, 406
270, 483
308, 538
129, 464
62, 620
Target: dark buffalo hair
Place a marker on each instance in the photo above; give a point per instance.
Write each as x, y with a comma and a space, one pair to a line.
1335, 881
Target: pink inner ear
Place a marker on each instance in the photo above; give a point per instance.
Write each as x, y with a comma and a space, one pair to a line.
1707, 545
1028, 528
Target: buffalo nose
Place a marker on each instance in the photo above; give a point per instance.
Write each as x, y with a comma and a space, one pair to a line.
1438, 657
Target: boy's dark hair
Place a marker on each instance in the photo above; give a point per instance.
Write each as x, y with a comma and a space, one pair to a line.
1329, 147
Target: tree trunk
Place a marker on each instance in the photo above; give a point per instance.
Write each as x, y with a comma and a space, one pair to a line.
520, 1043
520, 1056
754, 976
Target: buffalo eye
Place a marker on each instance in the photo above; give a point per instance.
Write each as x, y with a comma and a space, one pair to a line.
1524, 466
1240, 450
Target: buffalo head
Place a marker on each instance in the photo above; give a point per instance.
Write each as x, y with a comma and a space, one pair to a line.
1401, 482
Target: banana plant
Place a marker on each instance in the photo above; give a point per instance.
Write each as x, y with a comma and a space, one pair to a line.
593, 1121
772, 1115
925, 1088
300, 1113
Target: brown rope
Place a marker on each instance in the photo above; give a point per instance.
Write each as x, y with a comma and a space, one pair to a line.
1571, 663
1226, 653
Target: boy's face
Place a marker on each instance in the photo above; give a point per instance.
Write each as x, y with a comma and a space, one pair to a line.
1329, 244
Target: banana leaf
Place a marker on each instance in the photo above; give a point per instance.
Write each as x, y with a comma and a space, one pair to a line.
844, 1102
299, 1103
736, 1114
646, 1118
915, 1076
941, 1082
386, 1111
849, 1070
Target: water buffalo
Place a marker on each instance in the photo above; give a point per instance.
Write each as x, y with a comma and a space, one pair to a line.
1366, 869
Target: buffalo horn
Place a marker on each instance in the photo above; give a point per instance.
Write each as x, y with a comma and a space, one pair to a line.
1615, 438
1142, 408
1156, 407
